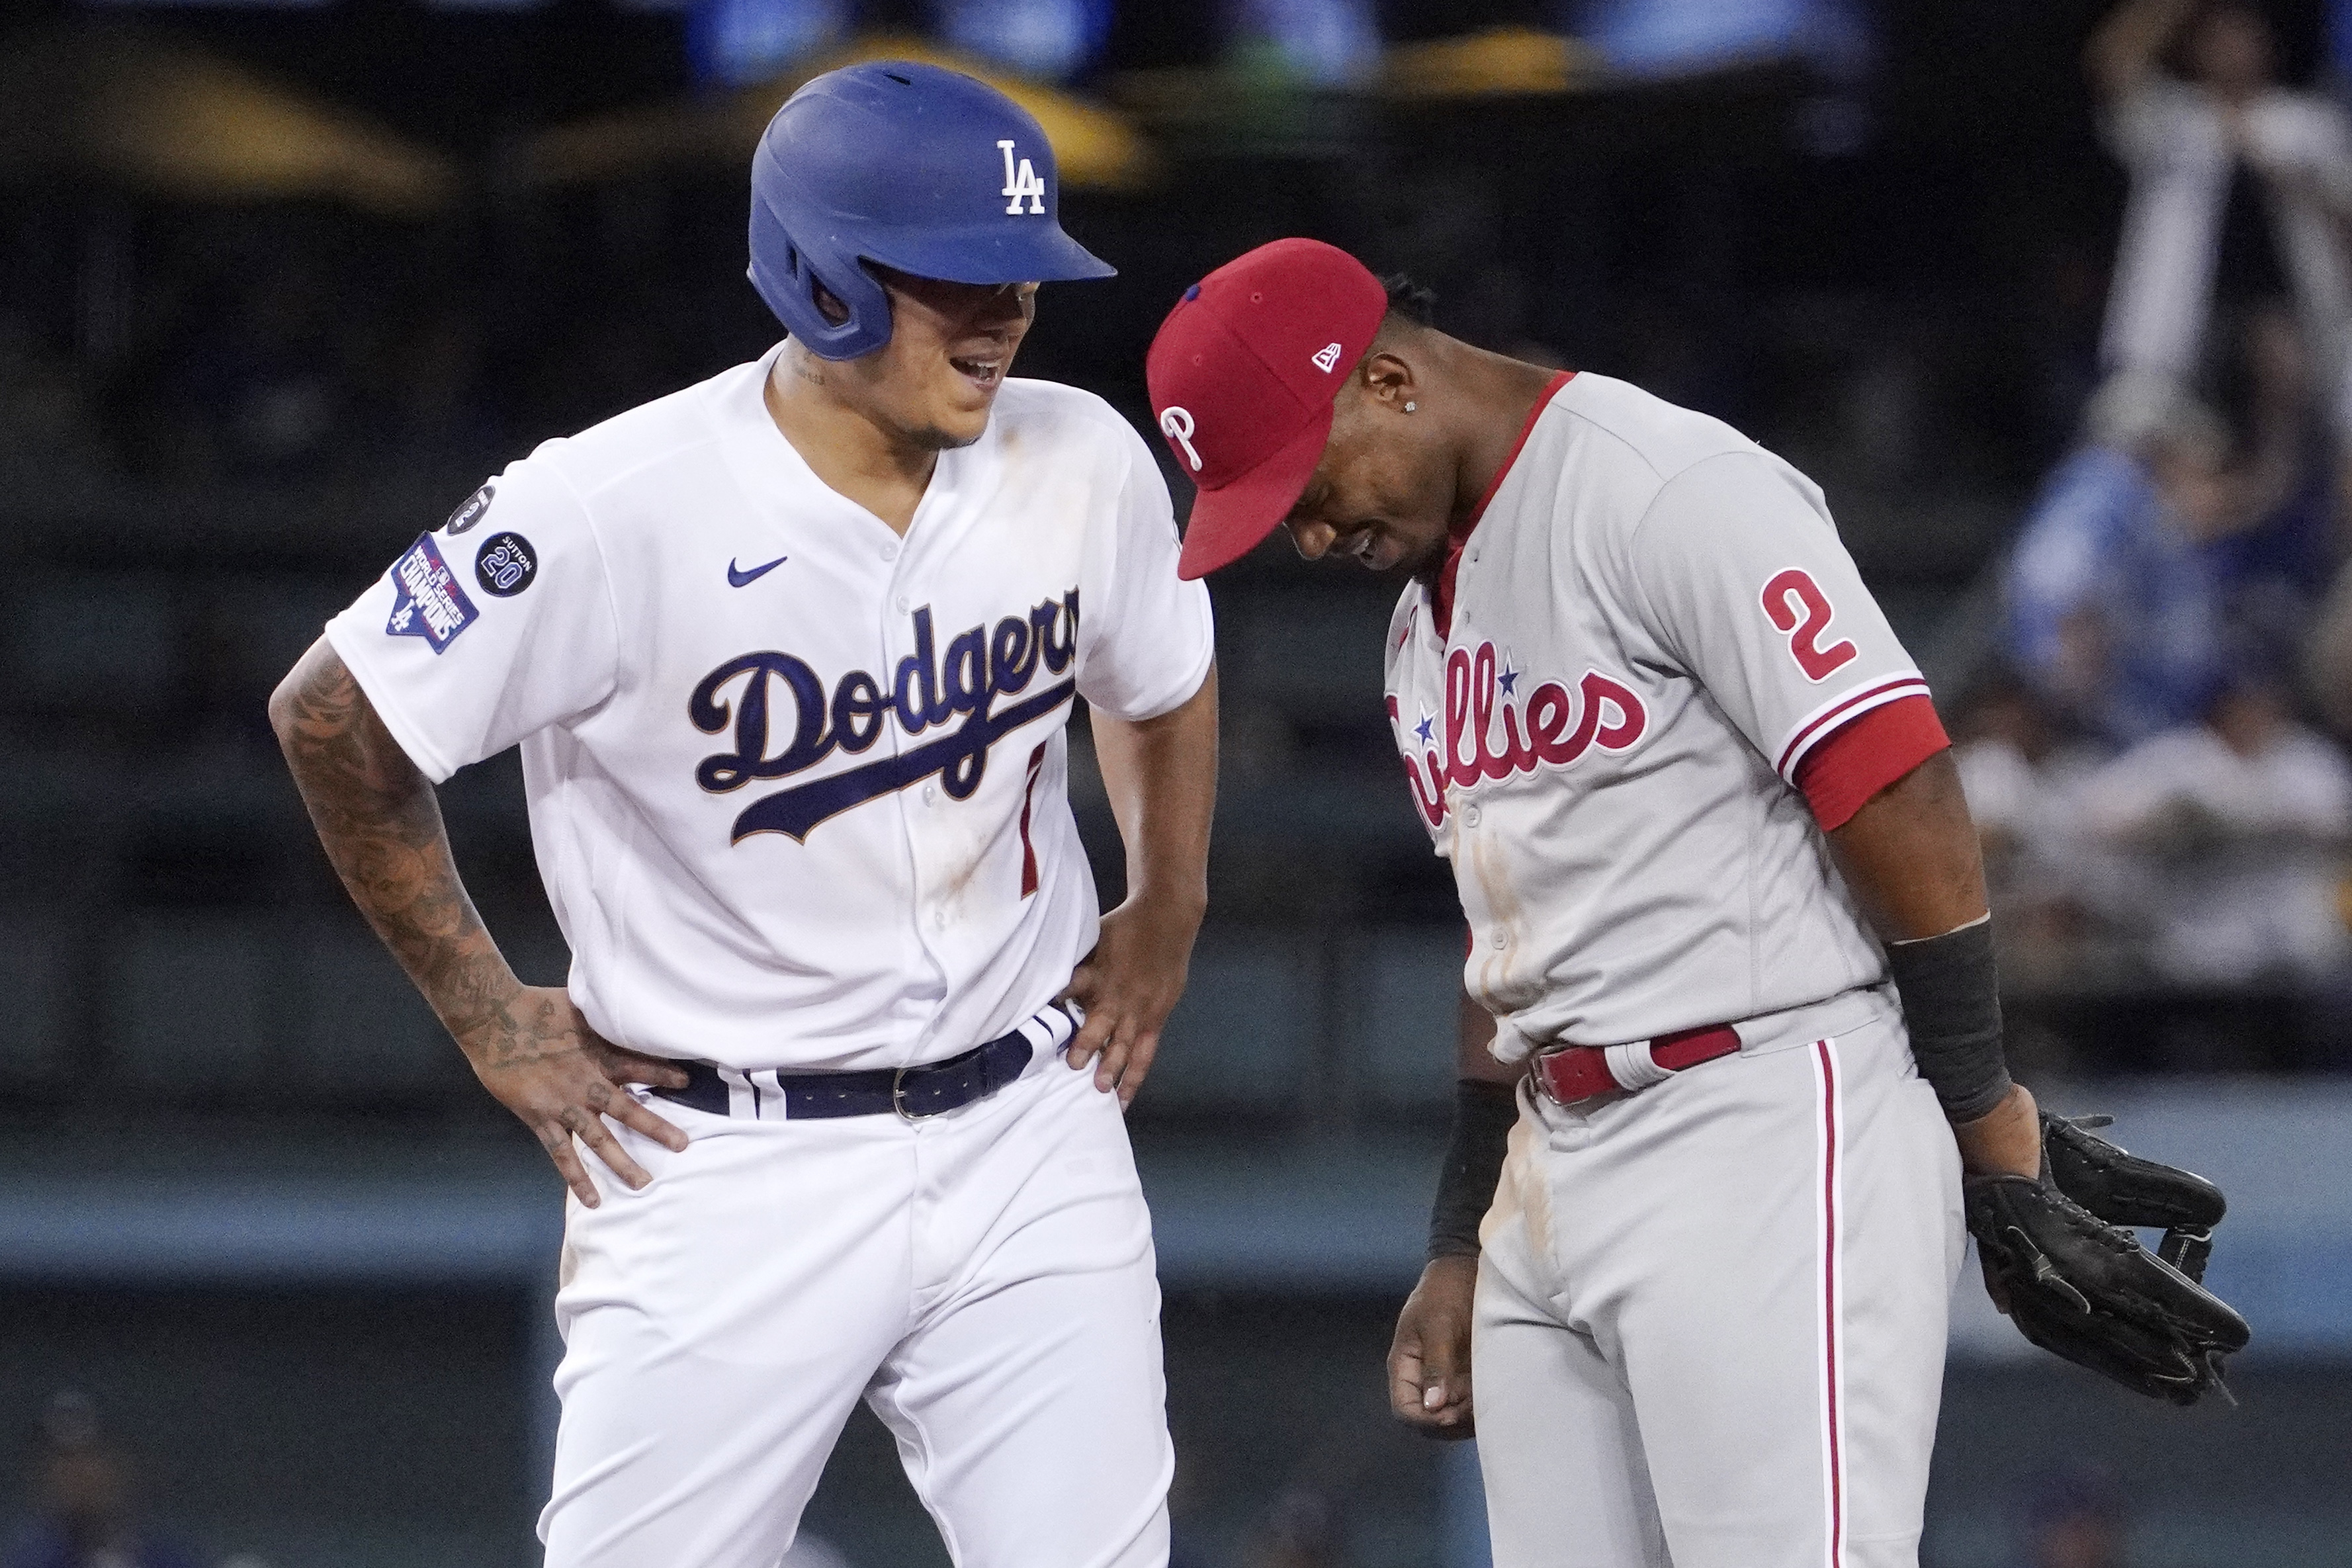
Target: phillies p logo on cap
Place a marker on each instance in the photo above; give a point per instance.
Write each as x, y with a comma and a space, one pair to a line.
1176, 424
1243, 374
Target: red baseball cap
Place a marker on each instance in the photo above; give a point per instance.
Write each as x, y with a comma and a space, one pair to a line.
1242, 376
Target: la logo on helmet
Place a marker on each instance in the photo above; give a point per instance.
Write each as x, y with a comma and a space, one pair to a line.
1023, 182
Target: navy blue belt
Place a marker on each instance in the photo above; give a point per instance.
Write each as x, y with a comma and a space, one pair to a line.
914, 1093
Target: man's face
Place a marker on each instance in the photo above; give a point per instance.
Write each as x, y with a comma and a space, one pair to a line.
1381, 496
950, 348
2230, 50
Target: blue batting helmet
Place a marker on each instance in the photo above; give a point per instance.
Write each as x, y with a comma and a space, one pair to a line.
922, 170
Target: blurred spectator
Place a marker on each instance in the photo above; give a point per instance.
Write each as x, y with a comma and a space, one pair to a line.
1661, 38
2231, 832
87, 1519
2023, 780
1329, 43
2328, 671
733, 42
2238, 189
2076, 1521
2273, 544
2112, 606
1047, 39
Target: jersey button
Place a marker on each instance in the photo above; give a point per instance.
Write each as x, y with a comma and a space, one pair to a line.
903, 601
1502, 940
890, 552
1470, 817
931, 792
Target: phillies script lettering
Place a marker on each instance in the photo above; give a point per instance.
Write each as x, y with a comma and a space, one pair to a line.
925, 693
1488, 733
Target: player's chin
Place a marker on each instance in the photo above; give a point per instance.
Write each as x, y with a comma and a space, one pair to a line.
1418, 560
949, 428
960, 415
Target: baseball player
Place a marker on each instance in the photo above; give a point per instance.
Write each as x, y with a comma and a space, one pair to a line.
1650, 714
790, 656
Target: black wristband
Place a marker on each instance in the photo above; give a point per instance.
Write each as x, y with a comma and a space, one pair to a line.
1951, 1004
1483, 1116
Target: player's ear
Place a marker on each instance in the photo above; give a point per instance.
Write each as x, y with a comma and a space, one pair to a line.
1386, 379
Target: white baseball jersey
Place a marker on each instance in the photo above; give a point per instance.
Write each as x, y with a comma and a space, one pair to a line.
1602, 710
797, 785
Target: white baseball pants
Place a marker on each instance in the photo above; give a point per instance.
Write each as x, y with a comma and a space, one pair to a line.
1710, 1316
984, 1279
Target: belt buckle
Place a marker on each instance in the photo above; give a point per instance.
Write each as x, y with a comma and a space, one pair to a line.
897, 1096
1542, 1078
898, 1099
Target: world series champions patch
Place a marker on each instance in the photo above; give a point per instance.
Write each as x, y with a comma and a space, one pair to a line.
427, 600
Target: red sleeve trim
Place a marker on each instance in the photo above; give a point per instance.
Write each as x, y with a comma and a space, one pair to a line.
1826, 720
1853, 761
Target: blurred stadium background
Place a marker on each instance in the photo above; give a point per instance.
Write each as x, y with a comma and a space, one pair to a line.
280, 282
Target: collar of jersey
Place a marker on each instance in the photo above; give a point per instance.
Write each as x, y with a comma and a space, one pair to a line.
778, 479
1441, 604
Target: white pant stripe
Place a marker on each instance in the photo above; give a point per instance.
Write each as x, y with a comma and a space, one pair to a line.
1829, 1213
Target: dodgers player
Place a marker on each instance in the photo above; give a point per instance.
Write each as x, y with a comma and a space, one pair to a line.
1650, 714
790, 656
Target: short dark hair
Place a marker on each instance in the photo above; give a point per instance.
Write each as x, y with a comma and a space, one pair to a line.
1409, 300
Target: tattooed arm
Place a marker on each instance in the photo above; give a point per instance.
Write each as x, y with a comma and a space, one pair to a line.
381, 824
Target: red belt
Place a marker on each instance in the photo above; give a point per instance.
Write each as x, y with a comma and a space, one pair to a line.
1579, 1072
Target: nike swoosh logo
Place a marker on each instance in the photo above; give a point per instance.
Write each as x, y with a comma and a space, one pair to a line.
738, 578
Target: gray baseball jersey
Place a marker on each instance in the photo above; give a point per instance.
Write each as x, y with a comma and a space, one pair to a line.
1605, 706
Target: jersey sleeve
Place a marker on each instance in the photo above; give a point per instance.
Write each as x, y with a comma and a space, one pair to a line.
496, 626
1146, 639
1739, 575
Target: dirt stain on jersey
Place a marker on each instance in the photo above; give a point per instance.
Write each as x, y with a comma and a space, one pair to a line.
956, 886
1520, 1197
1504, 983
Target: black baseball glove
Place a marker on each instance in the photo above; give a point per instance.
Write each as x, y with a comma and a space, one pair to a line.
2060, 1256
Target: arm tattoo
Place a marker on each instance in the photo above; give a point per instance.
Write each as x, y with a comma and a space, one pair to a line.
381, 824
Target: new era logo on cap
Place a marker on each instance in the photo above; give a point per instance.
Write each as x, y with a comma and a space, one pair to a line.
1242, 376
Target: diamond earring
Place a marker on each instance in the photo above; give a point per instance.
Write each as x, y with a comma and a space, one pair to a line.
1408, 408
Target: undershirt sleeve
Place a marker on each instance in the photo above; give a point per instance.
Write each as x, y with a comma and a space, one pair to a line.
1839, 775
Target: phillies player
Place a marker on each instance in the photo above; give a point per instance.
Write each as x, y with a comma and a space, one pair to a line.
1650, 714
790, 656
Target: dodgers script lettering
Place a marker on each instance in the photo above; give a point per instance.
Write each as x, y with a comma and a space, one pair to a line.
925, 692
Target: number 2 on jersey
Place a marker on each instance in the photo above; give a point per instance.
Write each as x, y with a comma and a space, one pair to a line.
1784, 597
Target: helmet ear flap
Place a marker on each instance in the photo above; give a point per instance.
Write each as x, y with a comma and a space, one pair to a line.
868, 324
787, 275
